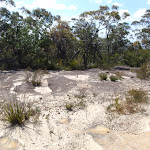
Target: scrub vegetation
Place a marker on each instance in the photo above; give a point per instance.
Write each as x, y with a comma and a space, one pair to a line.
31, 40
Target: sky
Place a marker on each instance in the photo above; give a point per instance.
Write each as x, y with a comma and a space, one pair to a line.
68, 9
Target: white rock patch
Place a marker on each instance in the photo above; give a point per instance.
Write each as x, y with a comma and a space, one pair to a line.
78, 77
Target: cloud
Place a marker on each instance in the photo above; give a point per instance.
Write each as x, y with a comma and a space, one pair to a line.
109, 1
139, 13
105, 1
133, 17
98, 1
49, 4
148, 2
117, 4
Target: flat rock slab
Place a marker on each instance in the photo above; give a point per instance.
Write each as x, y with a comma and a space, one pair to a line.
88, 126
9, 144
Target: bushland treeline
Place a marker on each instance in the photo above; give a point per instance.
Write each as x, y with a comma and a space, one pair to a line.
39, 40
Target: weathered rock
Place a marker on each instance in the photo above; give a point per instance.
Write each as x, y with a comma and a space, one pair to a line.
9, 144
98, 130
90, 128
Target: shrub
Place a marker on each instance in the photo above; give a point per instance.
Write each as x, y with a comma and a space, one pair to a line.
16, 112
116, 106
103, 76
81, 104
36, 78
69, 106
132, 104
137, 96
113, 78
74, 64
143, 72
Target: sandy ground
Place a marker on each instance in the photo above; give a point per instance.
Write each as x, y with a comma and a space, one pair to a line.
88, 127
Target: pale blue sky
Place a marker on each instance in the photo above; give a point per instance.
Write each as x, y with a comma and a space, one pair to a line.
72, 8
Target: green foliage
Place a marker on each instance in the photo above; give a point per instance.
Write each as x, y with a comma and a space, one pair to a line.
103, 76
11, 2
16, 112
69, 106
137, 96
135, 58
75, 65
81, 105
116, 107
132, 104
113, 78
144, 34
29, 40
143, 72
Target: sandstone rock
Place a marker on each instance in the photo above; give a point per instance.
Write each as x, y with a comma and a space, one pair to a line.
9, 144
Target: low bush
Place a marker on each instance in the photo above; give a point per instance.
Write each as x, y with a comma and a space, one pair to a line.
69, 106
143, 72
117, 106
113, 78
81, 105
132, 104
103, 76
35, 78
137, 96
74, 65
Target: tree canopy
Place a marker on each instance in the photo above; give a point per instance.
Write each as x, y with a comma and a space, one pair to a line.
98, 38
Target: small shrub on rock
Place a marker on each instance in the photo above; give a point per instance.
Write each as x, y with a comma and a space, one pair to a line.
35, 78
103, 76
133, 103
69, 106
16, 112
113, 78
117, 106
143, 72
137, 96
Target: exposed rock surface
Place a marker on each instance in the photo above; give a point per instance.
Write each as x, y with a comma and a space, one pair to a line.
88, 127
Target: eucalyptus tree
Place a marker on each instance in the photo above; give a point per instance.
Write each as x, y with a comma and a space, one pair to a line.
118, 37
63, 41
105, 18
38, 23
11, 2
10, 29
144, 33
86, 32
25, 38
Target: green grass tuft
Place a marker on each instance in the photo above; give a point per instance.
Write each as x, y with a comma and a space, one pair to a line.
16, 112
103, 76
